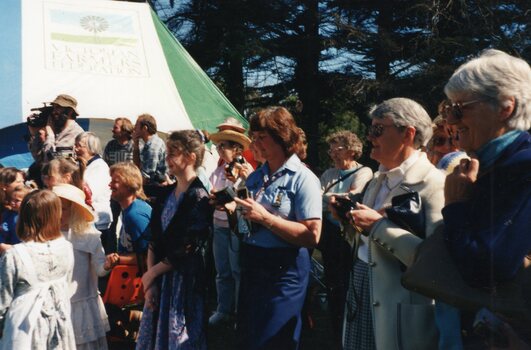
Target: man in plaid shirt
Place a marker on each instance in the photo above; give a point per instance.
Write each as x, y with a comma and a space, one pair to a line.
151, 156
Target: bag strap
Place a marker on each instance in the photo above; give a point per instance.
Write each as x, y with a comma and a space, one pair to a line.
347, 175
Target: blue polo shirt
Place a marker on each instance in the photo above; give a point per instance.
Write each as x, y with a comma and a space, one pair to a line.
135, 233
293, 192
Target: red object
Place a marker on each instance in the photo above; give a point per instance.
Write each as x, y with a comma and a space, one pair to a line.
248, 155
124, 286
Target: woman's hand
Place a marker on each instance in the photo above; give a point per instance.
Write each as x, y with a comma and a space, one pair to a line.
151, 297
148, 280
111, 261
252, 210
364, 217
332, 207
458, 185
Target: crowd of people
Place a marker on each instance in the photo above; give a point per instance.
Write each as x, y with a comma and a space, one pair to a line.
164, 206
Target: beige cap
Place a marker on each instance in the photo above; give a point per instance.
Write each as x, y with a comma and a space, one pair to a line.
66, 101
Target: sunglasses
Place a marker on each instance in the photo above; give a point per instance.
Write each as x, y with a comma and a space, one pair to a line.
376, 130
441, 141
455, 110
223, 145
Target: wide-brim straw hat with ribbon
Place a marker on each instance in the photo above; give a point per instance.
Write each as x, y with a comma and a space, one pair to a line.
231, 135
231, 123
76, 196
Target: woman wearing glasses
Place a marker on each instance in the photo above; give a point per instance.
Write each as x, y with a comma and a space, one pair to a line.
487, 213
380, 313
443, 140
230, 144
285, 213
347, 176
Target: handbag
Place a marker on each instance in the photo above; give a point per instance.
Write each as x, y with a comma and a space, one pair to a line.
406, 212
434, 274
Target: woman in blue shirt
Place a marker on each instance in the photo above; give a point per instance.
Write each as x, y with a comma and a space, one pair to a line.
284, 209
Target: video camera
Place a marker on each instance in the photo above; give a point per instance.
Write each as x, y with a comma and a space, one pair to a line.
39, 118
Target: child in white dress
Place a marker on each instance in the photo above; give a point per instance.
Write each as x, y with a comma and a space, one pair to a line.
34, 293
88, 312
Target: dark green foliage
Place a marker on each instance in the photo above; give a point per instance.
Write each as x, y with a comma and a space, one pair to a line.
330, 60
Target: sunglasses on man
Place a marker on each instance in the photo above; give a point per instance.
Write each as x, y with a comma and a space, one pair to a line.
376, 130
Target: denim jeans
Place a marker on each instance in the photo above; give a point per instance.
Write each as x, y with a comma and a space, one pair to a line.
226, 248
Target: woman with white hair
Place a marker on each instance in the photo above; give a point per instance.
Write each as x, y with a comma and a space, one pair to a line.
487, 213
96, 175
379, 312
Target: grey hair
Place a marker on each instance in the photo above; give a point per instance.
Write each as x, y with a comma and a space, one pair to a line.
406, 112
349, 140
496, 75
93, 142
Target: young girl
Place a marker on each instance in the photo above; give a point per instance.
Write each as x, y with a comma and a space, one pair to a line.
8, 234
173, 315
34, 295
66, 171
88, 312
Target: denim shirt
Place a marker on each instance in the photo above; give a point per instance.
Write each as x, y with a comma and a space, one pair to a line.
293, 192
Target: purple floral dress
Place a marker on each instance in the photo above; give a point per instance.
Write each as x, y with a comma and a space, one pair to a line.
179, 321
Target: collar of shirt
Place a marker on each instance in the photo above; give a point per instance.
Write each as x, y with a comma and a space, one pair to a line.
292, 164
396, 176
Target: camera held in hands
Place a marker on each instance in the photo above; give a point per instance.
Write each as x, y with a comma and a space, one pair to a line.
227, 194
39, 117
229, 169
343, 205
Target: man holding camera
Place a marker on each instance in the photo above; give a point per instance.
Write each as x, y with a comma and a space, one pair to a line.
57, 137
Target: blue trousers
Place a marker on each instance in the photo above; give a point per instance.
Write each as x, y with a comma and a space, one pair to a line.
226, 249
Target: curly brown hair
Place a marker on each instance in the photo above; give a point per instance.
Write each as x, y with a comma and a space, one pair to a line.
187, 142
349, 140
280, 125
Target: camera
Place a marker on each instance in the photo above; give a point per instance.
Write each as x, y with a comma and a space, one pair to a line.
343, 205
228, 194
229, 169
39, 118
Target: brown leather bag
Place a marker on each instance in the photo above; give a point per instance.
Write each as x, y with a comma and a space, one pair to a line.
434, 274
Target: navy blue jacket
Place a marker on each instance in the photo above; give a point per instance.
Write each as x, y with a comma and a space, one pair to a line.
189, 228
490, 234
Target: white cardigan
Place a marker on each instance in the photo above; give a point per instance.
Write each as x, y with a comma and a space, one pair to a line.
98, 178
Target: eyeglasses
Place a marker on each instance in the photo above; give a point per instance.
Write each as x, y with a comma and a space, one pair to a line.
334, 150
455, 110
223, 145
376, 130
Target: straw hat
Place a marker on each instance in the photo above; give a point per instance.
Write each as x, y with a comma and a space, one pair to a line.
231, 123
76, 196
231, 135
64, 100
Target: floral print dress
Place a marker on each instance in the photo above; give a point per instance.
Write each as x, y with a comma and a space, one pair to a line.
179, 321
